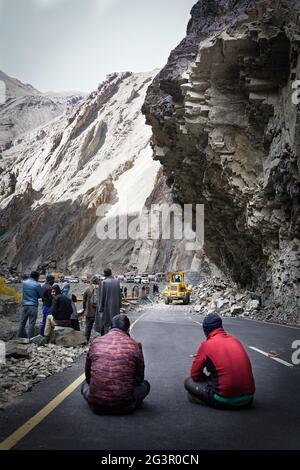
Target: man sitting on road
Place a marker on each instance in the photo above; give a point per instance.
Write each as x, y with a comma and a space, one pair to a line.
115, 371
230, 384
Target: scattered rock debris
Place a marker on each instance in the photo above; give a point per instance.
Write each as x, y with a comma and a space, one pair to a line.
224, 297
19, 375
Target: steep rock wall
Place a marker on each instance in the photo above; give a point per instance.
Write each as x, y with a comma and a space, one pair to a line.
226, 130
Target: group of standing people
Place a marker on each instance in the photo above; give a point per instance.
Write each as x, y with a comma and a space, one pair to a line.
101, 302
58, 306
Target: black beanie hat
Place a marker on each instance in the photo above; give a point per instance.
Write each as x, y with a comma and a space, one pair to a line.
211, 322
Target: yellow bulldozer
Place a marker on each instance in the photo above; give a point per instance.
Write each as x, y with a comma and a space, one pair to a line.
177, 289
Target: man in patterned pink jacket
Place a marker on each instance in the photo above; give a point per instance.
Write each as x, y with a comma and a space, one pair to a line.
115, 371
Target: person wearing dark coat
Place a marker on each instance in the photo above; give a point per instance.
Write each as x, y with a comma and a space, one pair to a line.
90, 298
109, 302
61, 312
61, 307
230, 383
115, 371
47, 301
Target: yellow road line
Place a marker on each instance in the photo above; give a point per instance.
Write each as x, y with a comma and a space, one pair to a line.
14, 438
20, 433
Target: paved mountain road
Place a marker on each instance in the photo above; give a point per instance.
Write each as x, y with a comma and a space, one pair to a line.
170, 336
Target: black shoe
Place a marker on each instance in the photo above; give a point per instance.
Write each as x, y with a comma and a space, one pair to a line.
194, 399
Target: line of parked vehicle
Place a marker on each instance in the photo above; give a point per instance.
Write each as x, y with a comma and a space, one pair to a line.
144, 278
130, 277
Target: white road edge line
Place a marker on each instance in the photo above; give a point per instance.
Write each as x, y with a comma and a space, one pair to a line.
190, 318
282, 361
259, 350
277, 359
137, 320
195, 321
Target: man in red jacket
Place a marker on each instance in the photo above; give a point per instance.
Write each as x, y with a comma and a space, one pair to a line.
230, 383
115, 371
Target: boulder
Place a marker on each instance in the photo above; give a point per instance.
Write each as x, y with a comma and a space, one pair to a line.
17, 349
68, 337
39, 340
236, 310
222, 302
252, 305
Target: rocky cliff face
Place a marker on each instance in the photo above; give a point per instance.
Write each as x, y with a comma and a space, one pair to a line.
226, 131
56, 175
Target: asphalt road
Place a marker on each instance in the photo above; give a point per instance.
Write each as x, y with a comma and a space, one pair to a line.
167, 421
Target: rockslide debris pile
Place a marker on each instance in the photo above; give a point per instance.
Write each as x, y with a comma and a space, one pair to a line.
224, 297
19, 375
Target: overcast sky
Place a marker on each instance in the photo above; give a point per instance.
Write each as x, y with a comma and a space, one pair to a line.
62, 45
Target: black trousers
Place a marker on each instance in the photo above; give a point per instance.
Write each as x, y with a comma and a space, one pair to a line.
201, 392
75, 325
89, 323
140, 393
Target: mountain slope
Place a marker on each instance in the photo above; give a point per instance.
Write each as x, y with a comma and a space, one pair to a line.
55, 178
26, 109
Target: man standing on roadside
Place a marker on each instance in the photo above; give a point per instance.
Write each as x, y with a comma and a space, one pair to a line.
32, 292
109, 302
90, 297
47, 301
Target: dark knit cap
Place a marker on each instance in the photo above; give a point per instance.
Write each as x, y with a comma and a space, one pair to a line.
50, 278
211, 322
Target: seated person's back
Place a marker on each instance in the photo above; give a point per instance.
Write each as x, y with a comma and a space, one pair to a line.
230, 382
61, 307
115, 369
117, 364
227, 362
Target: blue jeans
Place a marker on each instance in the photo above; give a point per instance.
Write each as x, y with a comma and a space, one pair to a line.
45, 312
30, 313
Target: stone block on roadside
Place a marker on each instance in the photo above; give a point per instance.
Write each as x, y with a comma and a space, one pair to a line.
39, 340
222, 302
22, 340
252, 305
239, 296
68, 337
18, 350
236, 310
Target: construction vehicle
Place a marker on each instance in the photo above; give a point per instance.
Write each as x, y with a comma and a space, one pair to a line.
177, 289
